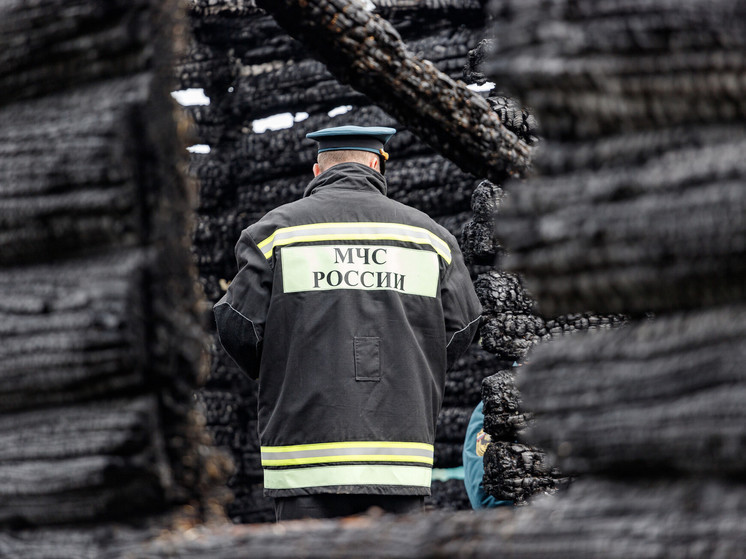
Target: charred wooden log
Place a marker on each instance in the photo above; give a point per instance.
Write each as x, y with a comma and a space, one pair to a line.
478, 241
676, 410
103, 345
517, 472
386, 71
72, 331
480, 244
674, 518
637, 239
53, 202
503, 292
659, 123
95, 42
511, 335
511, 325
504, 417
605, 80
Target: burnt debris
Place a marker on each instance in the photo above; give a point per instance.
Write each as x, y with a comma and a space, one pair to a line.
102, 342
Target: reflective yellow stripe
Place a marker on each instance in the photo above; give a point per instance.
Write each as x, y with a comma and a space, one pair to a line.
354, 231
348, 444
347, 458
352, 451
352, 474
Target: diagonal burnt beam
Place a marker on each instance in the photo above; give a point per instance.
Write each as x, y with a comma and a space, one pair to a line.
365, 51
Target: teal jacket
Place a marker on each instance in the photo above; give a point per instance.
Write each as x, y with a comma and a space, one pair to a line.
474, 464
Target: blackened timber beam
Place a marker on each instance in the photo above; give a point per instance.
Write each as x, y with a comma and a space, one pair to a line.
365, 51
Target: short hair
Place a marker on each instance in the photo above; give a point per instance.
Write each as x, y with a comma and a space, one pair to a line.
328, 158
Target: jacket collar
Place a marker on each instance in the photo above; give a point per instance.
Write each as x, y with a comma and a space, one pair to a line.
354, 176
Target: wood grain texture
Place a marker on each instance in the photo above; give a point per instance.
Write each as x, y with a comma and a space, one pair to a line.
655, 397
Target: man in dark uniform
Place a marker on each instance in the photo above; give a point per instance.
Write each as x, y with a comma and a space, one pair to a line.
348, 308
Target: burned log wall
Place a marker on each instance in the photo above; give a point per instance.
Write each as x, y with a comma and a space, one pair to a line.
512, 325
638, 207
251, 69
102, 343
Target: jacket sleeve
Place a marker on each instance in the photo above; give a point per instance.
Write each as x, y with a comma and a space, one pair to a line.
474, 464
241, 313
461, 308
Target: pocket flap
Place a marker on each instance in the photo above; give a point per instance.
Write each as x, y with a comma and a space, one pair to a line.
367, 358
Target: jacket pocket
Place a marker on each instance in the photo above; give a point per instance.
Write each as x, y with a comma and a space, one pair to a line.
367, 359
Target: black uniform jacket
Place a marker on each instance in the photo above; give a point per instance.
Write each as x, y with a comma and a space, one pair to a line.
348, 307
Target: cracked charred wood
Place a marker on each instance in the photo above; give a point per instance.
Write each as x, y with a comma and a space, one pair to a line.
272, 154
204, 67
256, 158
486, 200
661, 215
460, 125
637, 239
473, 70
515, 118
409, 13
224, 25
510, 335
478, 242
303, 85
511, 324
433, 185
455, 224
213, 174
231, 421
504, 417
678, 409
110, 427
214, 239
503, 292
82, 462
510, 327
517, 472
223, 407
